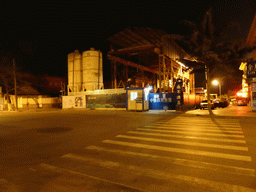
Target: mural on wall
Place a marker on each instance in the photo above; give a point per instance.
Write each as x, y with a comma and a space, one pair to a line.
73, 101
78, 102
106, 101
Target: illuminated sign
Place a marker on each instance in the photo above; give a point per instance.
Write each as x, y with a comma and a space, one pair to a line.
134, 96
179, 92
251, 69
242, 94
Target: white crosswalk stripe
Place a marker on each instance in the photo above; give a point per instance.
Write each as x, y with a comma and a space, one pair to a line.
234, 130
216, 146
184, 162
220, 131
192, 133
188, 137
202, 124
185, 143
179, 150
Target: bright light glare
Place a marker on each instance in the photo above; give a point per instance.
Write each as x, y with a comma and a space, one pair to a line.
149, 88
215, 82
241, 94
181, 64
134, 96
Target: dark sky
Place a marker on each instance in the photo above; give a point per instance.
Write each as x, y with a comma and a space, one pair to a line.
42, 33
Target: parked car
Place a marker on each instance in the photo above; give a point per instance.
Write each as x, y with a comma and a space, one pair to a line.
221, 103
233, 102
204, 104
242, 102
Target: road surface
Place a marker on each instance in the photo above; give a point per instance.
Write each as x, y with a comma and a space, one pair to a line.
128, 151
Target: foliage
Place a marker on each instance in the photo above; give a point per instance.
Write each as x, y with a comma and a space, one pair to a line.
207, 46
7, 76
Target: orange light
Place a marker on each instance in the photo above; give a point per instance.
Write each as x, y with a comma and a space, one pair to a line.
242, 94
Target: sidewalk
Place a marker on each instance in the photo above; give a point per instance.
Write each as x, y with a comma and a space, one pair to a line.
230, 111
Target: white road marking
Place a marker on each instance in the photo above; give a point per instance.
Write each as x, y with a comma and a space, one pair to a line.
196, 119
200, 121
204, 120
185, 143
178, 161
189, 132
192, 124
61, 170
187, 137
197, 129
181, 122
184, 151
163, 175
225, 122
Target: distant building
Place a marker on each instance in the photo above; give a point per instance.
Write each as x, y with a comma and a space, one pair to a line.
251, 39
249, 69
43, 85
53, 85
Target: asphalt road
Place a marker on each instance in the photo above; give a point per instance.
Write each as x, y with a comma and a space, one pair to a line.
93, 150
32, 138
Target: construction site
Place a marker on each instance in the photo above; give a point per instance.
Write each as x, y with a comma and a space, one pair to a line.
141, 59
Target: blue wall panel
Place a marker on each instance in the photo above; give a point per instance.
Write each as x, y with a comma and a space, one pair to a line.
162, 101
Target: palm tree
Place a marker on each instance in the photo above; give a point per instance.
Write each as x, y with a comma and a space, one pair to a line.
204, 44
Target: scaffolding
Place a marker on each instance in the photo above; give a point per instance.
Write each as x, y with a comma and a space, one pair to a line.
153, 54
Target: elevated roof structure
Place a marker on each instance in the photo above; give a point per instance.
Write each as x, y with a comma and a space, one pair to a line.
250, 42
251, 39
147, 49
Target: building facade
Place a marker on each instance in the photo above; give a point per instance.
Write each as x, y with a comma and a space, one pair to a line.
249, 69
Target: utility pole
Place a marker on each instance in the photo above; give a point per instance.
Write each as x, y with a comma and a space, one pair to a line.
73, 89
15, 85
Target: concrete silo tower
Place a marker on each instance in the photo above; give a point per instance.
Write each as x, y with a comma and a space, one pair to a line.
92, 70
75, 71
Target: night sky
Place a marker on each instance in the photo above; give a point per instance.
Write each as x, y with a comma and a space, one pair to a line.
40, 34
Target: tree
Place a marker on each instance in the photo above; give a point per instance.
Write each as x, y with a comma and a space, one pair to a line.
206, 46
7, 78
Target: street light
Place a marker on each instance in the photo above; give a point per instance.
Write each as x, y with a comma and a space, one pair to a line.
215, 82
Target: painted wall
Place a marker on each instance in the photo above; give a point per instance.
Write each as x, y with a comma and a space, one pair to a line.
106, 101
78, 101
31, 102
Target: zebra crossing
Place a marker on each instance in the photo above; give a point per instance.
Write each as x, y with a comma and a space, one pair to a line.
184, 153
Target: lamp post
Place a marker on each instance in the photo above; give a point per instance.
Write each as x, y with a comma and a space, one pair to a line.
215, 82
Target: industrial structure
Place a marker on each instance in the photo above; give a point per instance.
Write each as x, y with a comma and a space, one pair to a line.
85, 71
140, 59
149, 57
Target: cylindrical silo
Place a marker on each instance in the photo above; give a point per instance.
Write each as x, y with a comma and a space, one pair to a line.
70, 71
75, 71
92, 70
